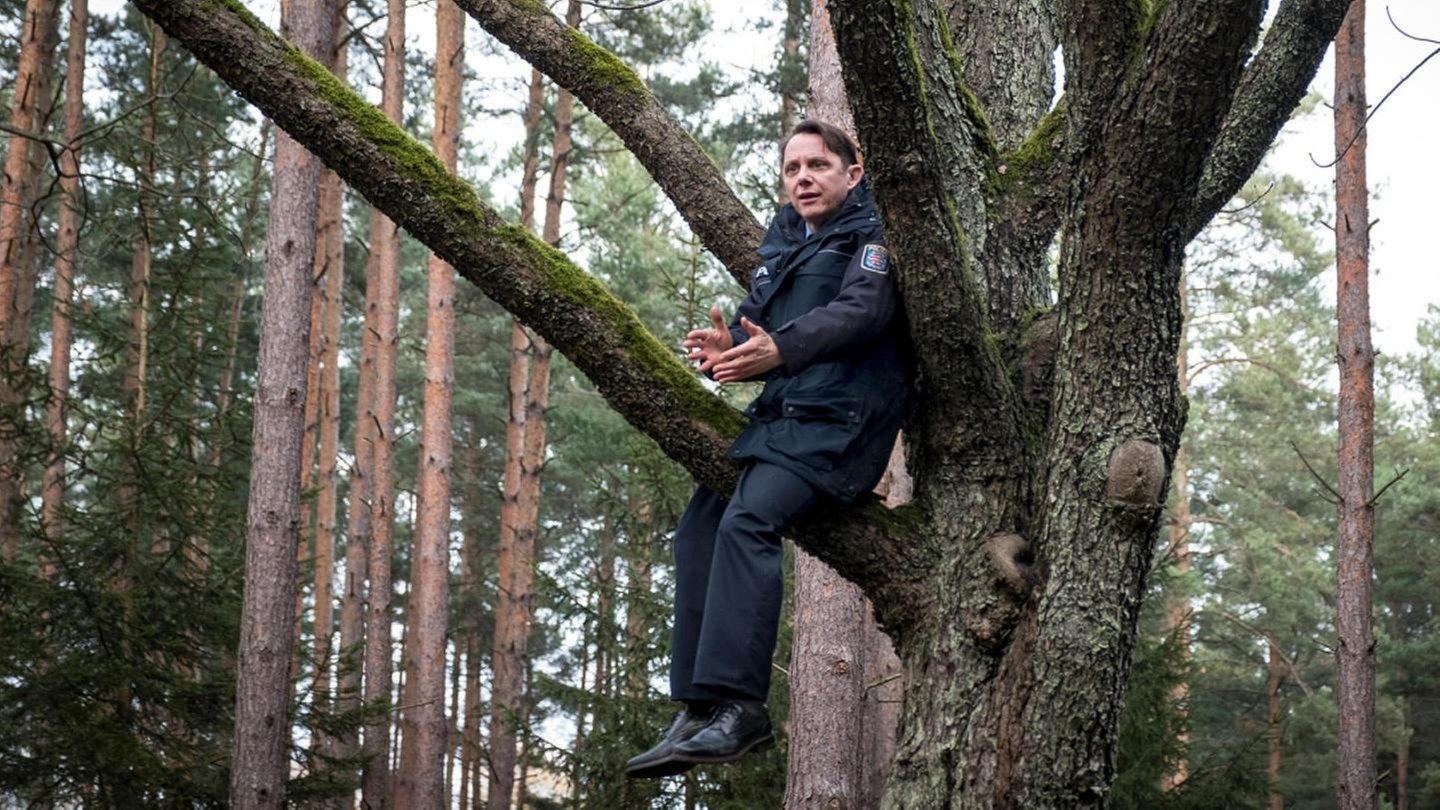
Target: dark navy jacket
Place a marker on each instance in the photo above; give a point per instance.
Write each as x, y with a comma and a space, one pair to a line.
831, 412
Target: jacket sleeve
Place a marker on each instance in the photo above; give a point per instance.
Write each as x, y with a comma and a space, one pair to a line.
863, 309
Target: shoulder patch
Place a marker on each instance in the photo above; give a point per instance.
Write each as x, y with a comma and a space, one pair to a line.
875, 258
761, 275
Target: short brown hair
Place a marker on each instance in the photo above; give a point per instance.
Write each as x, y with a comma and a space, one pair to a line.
835, 139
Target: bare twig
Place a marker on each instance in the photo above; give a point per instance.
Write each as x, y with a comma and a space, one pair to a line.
1393, 481
1337, 499
1364, 124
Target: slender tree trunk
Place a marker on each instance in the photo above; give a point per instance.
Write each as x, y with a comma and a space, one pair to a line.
137, 346
385, 245
67, 250
1275, 677
470, 735
452, 727
421, 774
330, 265
502, 738
38, 35
1177, 608
258, 770
1355, 655
828, 666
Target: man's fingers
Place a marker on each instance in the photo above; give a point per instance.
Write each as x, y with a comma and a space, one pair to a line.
717, 318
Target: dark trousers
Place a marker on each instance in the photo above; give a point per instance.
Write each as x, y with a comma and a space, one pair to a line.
729, 583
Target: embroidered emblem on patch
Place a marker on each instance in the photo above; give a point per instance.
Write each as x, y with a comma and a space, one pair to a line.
875, 258
761, 275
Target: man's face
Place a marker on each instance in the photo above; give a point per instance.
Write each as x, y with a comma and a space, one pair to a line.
816, 179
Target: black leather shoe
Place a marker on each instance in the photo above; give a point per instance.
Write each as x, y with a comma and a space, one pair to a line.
657, 762
739, 727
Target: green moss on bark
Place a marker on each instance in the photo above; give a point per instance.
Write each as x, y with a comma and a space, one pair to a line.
575, 285
1033, 156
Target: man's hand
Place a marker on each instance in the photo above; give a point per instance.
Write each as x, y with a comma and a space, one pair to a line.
707, 345
750, 359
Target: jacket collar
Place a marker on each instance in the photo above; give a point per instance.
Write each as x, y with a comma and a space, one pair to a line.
858, 208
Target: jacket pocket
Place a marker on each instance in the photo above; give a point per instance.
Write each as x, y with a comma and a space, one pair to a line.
818, 432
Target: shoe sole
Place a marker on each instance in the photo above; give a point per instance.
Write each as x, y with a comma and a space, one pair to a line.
660, 769
763, 744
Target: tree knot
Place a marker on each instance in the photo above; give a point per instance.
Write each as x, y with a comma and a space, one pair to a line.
1010, 555
1136, 475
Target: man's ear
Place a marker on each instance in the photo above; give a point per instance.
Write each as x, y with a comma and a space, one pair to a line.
855, 172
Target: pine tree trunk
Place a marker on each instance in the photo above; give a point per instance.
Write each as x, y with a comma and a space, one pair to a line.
358, 499
137, 345
421, 773
1177, 609
330, 266
258, 770
827, 660
67, 251
1275, 677
503, 662
38, 36
1355, 655
385, 244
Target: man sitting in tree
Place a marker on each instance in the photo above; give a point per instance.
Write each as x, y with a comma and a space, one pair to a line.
822, 328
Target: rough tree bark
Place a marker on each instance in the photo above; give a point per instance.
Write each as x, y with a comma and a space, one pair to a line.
67, 250
422, 722
37, 45
330, 266
1044, 431
385, 246
258, 771
1355, 654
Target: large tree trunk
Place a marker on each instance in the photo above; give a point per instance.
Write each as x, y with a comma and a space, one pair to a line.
385, 245
30, 103
67, 250
1355, 655
421, 782
258, 766
1043, 439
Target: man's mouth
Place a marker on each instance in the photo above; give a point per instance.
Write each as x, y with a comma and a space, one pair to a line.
808, 196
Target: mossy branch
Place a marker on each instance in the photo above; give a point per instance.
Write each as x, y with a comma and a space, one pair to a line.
643, 380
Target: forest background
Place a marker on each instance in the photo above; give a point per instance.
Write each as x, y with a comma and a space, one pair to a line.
115, 675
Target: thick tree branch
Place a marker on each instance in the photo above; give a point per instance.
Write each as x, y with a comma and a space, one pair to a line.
642, 379
931, 162
617, 95
1101, 41
1270, 88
